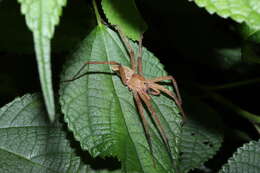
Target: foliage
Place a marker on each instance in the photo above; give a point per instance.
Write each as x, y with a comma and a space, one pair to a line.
96, 121
238, 10
41, 17
125, 15
29, 143
246, 159
201, 136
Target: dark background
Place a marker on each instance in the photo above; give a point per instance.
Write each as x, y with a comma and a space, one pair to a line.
187, 40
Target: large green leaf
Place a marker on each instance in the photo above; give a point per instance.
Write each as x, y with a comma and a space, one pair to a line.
247, 11
245, 160
201, 136
41, 18
29, 143
126, 16
101, 112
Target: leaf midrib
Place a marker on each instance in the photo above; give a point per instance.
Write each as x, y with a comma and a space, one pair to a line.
118, 100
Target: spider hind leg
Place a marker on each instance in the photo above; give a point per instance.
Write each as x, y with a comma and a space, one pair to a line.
145, 123
157, 122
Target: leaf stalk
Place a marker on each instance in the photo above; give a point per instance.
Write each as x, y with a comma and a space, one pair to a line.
233, 84
255, 119
97, 13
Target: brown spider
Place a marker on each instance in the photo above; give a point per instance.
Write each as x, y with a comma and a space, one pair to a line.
141, 87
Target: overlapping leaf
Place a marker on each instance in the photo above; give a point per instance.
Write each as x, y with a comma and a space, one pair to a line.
101, 111
245, 160
126, 15
41, 18
201, 136
239, 10
29, 143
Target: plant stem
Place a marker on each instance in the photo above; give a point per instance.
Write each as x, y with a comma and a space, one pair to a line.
253, 60
234, 84
97, 13
251, 117
240, 134
257, 127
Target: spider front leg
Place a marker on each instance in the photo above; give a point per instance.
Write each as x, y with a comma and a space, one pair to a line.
131, 51
77, 76
140, 54
129, 48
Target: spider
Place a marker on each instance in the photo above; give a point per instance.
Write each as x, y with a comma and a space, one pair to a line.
141, 87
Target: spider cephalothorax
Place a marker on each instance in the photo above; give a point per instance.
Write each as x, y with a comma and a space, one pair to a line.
141, 87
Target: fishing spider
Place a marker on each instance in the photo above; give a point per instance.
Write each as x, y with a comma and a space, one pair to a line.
141, 87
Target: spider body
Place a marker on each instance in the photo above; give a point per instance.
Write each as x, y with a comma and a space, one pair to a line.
135, 82
142, 88
132, 80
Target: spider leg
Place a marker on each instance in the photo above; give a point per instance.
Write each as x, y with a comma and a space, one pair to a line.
77, 76
155, 86
153, 90
162, 78
147, 100
145, 123
129, 48
139, 60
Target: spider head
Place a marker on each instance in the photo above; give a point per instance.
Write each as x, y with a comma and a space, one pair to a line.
124, 72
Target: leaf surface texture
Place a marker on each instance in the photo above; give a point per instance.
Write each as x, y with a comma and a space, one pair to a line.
247, 11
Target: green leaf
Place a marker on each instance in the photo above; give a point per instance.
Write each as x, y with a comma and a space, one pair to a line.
101, 112
245, 160
239, 10
126, 16
201, 136
41, 17
29, 143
